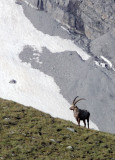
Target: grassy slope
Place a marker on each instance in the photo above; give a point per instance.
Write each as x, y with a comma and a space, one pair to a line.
26, 133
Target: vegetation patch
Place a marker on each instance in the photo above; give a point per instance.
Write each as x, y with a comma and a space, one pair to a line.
29, 134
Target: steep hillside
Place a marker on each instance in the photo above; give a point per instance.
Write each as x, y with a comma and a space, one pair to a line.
26, 133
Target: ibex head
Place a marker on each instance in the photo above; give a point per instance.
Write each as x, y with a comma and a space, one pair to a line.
74, 103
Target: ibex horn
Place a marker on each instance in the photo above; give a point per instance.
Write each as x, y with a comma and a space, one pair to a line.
79, 100
74, 100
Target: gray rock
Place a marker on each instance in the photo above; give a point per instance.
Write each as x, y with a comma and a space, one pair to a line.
52, 140
13, 81
71, 129
69, 147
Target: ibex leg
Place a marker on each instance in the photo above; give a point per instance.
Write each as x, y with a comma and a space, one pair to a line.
88, 122
84, 123
78, 120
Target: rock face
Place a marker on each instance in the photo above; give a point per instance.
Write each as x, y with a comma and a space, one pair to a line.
91, 18
104, 45
68, 13
94, 20
98, 17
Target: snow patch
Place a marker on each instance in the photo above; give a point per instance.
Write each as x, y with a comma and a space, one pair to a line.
104, 63
106, 60
65, 29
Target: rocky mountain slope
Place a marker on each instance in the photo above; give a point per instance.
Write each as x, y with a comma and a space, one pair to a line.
93, 19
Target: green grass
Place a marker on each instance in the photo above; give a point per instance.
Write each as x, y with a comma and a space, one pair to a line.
28, 134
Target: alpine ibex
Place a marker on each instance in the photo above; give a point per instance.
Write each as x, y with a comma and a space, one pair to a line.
80, 114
